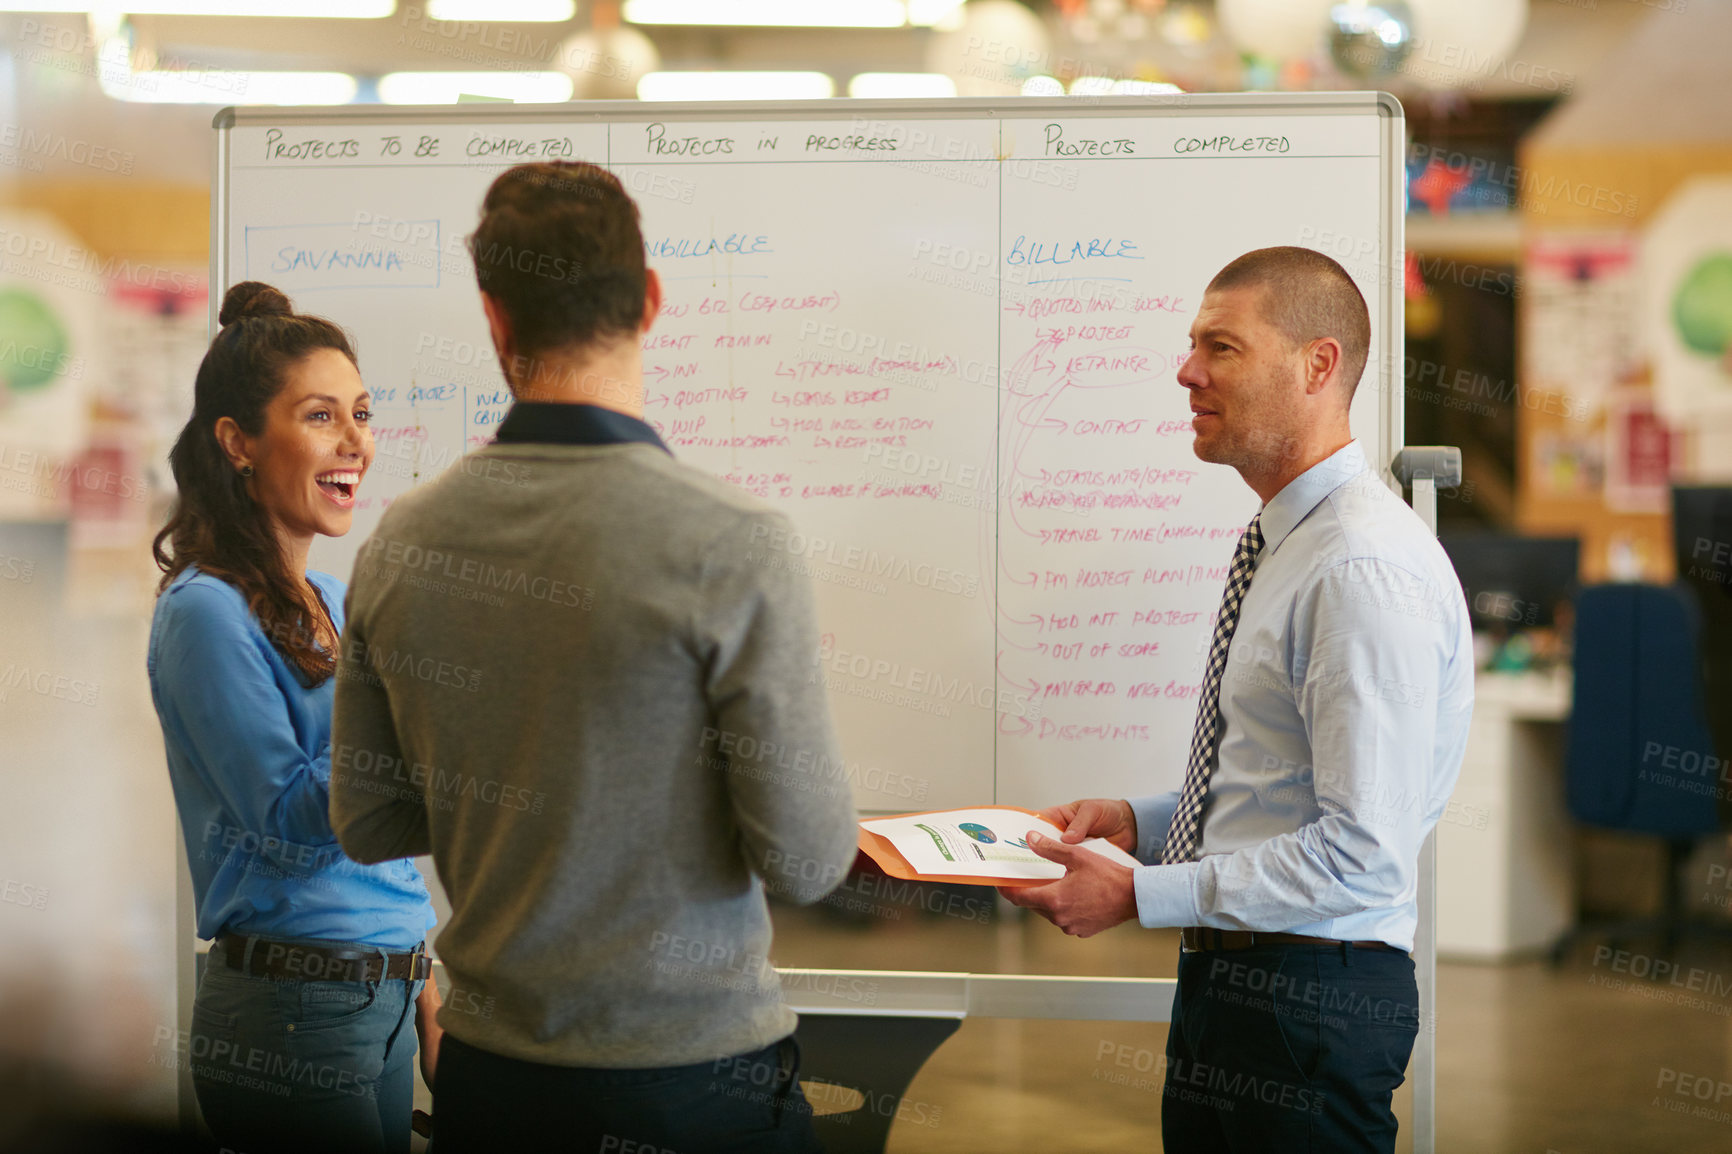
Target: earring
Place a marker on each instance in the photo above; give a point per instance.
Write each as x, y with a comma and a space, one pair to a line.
246, 470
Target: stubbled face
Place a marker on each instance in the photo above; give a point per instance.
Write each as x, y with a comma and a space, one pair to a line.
315, 448
1245, 383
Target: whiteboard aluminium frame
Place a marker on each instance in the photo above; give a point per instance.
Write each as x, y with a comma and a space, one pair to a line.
931, 993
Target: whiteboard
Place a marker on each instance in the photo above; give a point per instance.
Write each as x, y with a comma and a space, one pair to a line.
941, 336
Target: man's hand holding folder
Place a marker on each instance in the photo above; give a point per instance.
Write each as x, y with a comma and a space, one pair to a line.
1095, 893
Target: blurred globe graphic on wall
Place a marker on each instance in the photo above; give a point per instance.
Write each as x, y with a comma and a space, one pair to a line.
33, 344
1702, 306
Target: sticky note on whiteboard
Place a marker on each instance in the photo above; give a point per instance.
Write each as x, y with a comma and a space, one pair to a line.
342, 255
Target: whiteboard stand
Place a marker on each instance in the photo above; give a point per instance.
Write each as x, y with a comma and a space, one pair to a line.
873, 1057
1424, 469
1423, 1069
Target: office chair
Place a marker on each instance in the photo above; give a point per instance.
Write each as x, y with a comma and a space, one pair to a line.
1640, 756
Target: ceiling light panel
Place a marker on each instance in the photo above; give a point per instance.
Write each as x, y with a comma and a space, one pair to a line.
312, 9
204, 86
519, 11
450, 87
892, 85
735, 86
771, 13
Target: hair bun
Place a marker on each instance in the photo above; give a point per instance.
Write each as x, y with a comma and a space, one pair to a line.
253, 298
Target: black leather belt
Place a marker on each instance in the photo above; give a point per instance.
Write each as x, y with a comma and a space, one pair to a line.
1208, 938
318, 962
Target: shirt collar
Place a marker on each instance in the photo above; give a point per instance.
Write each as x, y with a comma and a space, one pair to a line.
1305, 492
557, 423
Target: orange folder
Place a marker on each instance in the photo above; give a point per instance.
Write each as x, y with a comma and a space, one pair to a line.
890, 859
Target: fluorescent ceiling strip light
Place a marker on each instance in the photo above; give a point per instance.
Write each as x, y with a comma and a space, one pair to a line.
205, 86
1043, 86
735, 86
771, 13
890, 85
1091, 86
320, 9
447, 87
1143, 88
521, 11
945, 14
1108, 86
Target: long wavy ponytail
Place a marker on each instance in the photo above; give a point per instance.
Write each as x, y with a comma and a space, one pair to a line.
216, 524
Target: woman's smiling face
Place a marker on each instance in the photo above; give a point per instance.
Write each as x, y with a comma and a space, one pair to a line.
315, 447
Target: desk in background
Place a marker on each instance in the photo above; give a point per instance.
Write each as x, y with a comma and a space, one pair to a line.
1505, 848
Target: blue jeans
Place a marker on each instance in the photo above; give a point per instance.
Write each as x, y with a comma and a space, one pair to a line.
1290, 1048
746, 1104
304, 1065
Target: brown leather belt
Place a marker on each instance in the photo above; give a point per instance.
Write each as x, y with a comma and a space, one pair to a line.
1207, 938
314, 962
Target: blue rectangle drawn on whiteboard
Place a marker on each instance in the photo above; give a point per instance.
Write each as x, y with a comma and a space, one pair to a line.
325, 256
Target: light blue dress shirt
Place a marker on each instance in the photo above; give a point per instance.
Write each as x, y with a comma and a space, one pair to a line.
249, 756
1346, 700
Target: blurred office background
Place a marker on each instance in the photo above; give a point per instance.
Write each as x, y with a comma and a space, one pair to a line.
1569, 325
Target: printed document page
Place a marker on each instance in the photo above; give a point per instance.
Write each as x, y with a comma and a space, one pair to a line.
987, 843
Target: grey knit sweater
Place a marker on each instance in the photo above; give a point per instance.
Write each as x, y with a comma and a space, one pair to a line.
578, 676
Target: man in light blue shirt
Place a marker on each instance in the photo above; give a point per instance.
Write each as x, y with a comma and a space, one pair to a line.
1330, 732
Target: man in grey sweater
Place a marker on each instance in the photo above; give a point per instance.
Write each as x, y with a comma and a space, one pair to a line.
572, 674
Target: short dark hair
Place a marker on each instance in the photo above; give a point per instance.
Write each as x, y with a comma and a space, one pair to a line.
559, 248
1308, 296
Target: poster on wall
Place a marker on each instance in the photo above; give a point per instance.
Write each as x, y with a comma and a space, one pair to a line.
1581, 329
1686, 301
162, 320
1567, 465
50, 304
1640, 453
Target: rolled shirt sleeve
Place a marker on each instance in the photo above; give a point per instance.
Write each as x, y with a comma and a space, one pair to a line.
247, 742
219, 691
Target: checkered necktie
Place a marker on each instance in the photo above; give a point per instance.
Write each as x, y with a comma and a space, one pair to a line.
1182, 834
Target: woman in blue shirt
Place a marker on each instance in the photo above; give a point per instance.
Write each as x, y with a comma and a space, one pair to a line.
300, 1037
